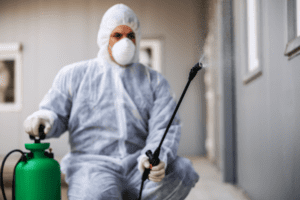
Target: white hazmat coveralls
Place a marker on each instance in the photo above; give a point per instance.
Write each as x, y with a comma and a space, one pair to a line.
115, 114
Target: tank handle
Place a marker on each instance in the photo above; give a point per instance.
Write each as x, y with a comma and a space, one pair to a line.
42, 135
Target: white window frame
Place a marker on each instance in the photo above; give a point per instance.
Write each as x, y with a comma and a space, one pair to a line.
12, 51
293, 29
156, 49
252, 36
253, 32
298, 17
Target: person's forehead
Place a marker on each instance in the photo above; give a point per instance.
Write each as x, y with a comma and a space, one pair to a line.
122, 29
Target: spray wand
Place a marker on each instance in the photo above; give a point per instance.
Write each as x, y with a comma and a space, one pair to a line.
153, 158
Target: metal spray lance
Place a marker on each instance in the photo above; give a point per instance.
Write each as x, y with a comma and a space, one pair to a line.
154, 158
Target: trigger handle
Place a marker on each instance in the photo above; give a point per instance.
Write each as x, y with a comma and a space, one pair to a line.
152, 158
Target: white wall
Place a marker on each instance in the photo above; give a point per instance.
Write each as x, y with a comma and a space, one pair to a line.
57, 33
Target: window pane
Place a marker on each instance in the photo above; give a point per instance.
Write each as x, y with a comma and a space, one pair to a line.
253, 61
298, 17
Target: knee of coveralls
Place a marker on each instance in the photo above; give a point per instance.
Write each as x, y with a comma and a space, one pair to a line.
179, 180
182, 169
89, 183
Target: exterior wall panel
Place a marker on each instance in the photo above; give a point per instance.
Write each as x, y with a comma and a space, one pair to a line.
267, 112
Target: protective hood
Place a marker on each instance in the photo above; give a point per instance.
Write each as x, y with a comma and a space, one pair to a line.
118, 14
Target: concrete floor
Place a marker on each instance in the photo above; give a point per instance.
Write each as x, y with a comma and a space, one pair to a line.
209, 187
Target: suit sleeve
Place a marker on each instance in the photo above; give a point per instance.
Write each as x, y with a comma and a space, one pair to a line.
160, 115
58, 102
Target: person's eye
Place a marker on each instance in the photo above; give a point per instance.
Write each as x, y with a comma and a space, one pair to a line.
117, 35
131, 36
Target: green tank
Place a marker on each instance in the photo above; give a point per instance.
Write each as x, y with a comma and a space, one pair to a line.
39, 177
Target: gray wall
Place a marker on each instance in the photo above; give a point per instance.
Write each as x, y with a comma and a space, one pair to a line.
57, 33
212, 51
219, 83
265, 110
268, 157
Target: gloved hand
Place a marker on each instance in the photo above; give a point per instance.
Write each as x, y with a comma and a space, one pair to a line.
157, 173
33, 122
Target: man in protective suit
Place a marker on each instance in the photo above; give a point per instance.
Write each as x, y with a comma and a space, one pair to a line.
115, 109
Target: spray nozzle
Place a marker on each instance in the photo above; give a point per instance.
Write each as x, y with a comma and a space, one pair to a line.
198, 66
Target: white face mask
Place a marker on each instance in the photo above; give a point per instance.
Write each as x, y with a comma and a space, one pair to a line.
123, 51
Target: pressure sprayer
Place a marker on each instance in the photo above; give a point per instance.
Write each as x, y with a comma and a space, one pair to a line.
36, 175
154, 158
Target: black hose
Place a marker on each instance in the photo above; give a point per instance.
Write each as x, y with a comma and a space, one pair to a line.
23, 158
